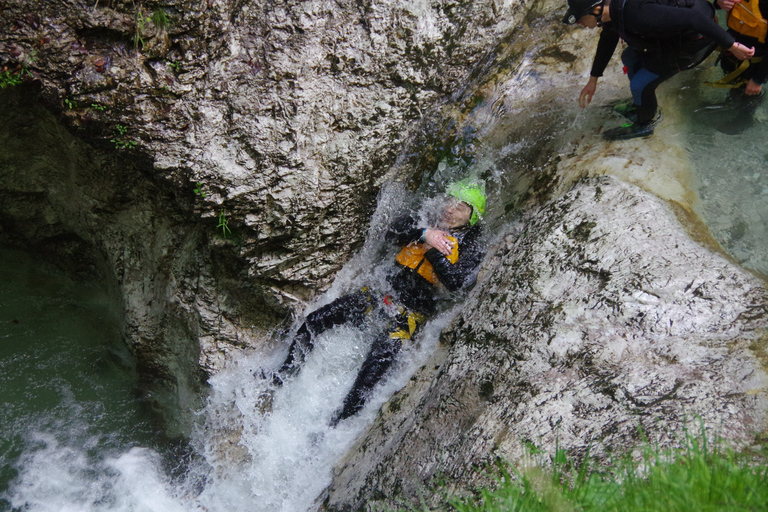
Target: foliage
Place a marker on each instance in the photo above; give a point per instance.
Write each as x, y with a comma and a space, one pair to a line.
198, 190
160, 19
224, 225
697, 478
9, 79
119, 141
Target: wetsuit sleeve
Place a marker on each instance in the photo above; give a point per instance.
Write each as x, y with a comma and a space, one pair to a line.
665, 19
403, 231
606, 45
454, 276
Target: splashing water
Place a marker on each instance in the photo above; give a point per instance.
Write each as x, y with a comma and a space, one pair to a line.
257, 447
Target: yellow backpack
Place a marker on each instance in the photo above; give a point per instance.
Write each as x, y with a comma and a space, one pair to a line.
745, 18
412, 256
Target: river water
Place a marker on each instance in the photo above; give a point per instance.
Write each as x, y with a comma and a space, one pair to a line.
76, 437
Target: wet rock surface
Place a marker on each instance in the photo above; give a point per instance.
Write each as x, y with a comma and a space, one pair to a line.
237, 148
595, 320
287, 113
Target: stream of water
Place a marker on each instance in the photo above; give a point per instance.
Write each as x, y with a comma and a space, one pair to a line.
75, 436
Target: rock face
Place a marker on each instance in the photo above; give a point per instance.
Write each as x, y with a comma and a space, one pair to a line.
287, 113
235, 149
216, 162
594, 319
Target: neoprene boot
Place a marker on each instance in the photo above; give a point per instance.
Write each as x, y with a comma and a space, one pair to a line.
632, 130
626, 109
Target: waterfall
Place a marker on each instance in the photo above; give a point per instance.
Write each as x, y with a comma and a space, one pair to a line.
250, 453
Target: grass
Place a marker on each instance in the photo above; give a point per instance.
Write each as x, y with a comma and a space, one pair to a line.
698, 478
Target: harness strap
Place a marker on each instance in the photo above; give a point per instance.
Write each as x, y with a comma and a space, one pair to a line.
727, 82
411, 319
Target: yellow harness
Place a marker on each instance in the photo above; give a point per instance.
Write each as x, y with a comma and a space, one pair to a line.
732, 80
412, 256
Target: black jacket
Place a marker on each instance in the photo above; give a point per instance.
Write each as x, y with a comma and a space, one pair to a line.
415, 292
670, 30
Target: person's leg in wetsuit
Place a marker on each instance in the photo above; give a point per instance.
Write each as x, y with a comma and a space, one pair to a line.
642, 84
378, 361
351, 309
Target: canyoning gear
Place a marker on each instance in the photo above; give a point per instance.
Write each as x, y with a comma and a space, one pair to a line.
667, 36
739, 76
471, 192
626, 109
746, 18
739, 73
631, 130
413, 256
577, 9
414, 290
663, 37
412, 299
350, 309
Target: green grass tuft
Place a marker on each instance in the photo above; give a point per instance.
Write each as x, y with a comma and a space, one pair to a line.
698, 478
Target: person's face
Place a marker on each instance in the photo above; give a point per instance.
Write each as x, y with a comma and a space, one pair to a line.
590, 20
455, 214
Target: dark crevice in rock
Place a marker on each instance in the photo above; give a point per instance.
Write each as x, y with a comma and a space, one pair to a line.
102, 215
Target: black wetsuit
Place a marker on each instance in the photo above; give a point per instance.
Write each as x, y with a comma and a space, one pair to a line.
663, 37
757, 71
413, 299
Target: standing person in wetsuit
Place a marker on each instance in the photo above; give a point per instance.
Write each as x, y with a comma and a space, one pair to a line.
663, 37
445, 254
754, 73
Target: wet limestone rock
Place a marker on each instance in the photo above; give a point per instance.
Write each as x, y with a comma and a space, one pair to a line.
596, 317
276, 119
286, 112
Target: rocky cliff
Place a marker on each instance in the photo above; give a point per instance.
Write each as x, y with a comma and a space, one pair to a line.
216, 162
597, 324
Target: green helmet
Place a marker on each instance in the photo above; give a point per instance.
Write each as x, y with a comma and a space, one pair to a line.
471, 192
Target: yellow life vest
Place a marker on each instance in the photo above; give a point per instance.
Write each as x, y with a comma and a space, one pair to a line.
412, 256
745, 18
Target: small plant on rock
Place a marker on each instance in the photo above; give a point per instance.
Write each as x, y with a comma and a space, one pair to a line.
119, 141
198, 190
224, 225
9, 79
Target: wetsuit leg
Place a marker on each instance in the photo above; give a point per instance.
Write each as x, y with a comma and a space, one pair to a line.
648, 106
643, 84
377, 362
350, 309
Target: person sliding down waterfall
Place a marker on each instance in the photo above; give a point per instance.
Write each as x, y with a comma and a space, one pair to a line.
663, 37
446, 254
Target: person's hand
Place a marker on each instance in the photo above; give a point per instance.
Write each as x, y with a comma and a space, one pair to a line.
727, 5
752, 88
438, 239
741, 52
587, 92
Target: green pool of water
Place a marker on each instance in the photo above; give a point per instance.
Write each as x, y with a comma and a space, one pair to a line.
68, 389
